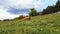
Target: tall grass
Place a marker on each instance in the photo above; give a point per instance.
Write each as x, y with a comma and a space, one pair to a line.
47, 24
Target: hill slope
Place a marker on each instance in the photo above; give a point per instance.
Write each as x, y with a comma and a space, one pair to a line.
46, 24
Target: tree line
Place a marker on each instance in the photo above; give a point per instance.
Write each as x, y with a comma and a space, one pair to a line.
48, 10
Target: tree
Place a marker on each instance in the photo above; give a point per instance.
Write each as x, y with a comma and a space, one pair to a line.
52, 9
33, 12
58, 5
49, 10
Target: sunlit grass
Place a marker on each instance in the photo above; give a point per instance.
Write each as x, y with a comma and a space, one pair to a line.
46, 24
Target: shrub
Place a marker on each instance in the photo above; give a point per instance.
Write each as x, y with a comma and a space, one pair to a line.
20, 17
6, 20
33, 12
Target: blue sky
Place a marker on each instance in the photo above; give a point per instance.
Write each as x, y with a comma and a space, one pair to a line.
10, 9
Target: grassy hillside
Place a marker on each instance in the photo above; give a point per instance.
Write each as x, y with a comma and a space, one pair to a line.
46, 24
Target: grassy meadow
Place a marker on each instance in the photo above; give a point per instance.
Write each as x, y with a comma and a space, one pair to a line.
46, 24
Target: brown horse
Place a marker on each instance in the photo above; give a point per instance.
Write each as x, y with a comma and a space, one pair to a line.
26, 18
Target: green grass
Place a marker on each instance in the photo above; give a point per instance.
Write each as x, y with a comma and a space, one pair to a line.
46, 24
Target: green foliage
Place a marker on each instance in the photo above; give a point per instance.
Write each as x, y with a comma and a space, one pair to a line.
46, 24
20, 17
39, 13
0, 20
58, 4
33, 12
52, 9
49, 10
6, 20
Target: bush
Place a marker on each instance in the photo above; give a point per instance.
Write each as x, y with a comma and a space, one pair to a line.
20, 17
33, 12
6, 20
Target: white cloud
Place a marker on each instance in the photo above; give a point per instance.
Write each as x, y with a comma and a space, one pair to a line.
23, 4
20, 4
5, 15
